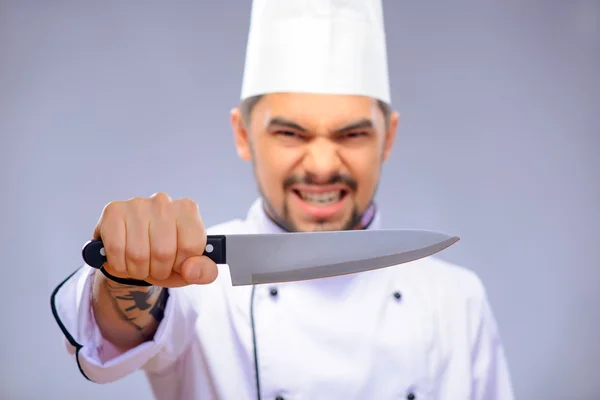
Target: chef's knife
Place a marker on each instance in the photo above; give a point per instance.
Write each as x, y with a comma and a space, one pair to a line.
283, 257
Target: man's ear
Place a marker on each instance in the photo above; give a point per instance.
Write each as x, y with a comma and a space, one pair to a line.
390, 135
240, 135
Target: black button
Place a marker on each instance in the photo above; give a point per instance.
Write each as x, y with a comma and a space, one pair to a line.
274, 292
279, 398
411, 396
398, 295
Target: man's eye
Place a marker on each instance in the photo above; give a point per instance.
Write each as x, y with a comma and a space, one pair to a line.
353, 135
287, 133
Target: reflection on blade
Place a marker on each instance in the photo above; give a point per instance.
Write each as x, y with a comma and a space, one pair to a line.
268, 254
343, 268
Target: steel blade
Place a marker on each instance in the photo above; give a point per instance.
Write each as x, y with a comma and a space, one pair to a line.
283, 257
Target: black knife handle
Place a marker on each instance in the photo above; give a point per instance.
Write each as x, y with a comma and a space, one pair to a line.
94, 254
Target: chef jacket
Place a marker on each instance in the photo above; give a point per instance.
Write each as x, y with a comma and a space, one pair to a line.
420, 330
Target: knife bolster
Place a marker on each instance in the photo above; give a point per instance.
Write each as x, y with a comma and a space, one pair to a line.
215, 248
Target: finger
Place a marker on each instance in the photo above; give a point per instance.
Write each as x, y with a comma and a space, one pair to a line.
163, 243
172, 281
199, 270
137, 251
111, 229
114, 241
98, 228
191, 235
113, 210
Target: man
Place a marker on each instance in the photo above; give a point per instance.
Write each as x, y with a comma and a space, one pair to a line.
316, 124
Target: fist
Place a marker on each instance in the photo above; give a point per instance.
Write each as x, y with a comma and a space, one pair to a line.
155, 239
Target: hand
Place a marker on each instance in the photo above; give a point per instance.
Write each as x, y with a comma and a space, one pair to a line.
155, 239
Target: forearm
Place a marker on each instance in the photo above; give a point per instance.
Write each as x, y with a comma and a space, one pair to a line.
127, 315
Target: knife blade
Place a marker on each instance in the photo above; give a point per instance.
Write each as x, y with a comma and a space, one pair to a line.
294, 256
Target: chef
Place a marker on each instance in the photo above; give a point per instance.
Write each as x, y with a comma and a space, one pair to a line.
315, 123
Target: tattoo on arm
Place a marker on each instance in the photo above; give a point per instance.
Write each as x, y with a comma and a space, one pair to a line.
133, 304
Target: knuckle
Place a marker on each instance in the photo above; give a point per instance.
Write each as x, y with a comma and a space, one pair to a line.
163, 211
136, 273
188, 205
160, 272
137, 255
112, 210
113, 247
139, 210
136, 200
137, 204
161, 198
163, 253
193, 245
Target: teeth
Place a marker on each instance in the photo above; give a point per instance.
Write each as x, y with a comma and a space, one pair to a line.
322, 198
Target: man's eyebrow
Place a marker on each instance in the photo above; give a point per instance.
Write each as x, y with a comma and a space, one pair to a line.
282, 122
363, 123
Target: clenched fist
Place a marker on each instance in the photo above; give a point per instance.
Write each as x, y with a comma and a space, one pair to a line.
155, 239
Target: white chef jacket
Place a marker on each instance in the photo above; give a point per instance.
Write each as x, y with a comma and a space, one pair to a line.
421, 330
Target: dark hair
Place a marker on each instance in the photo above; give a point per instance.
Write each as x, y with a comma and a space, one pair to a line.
248, 104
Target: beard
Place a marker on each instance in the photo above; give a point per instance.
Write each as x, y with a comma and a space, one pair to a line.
285, 221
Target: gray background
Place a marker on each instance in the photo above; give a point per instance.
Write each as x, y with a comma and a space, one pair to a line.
498, 143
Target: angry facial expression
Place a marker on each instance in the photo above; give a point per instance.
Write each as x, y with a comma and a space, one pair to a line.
317, 158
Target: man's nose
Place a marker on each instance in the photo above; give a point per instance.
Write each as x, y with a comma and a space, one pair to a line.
322, 160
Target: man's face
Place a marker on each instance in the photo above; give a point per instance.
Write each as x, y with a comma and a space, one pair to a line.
317, 158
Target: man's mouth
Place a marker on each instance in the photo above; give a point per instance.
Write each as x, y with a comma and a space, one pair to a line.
321, 198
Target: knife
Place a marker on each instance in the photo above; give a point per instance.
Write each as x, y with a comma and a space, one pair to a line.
283, 257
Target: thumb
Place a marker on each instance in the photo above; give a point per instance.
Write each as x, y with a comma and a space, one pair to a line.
175, 280
199, 270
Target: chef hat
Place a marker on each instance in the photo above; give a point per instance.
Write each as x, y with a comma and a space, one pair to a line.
316, 46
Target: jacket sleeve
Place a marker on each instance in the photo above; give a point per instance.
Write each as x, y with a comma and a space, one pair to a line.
71, 308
